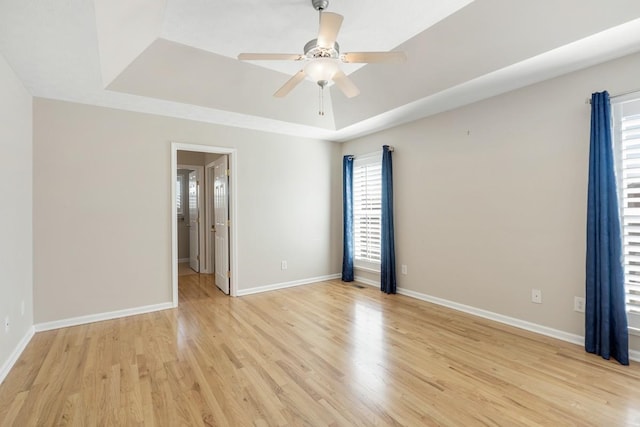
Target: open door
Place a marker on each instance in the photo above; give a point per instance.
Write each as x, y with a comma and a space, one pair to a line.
194, 222
221, 221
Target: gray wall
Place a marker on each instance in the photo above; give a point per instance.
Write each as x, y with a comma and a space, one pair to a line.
193, 158
112, 237
16, 247
490, 199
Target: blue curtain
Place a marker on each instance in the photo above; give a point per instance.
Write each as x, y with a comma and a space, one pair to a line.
605, 317
347, 206
388, 250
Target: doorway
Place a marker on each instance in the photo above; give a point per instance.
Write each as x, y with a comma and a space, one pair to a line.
209, 226
190, 206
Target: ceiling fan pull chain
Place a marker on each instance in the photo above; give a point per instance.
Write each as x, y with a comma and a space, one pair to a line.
321, 100
322, 84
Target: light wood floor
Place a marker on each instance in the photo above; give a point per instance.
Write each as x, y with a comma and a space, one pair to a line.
184, 269
323, 354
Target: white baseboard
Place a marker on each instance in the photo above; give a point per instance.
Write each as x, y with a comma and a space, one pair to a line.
15, 354
511, 321
276, 286
533, 327
81, 320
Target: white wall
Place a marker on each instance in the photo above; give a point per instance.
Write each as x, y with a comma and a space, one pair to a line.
103, 241
490, 199
16, 247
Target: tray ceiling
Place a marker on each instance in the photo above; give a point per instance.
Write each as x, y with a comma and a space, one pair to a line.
178, 57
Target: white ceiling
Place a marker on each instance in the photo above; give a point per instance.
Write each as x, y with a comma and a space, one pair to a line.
177, 57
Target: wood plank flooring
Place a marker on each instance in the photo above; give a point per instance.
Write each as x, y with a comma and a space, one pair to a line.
327, 354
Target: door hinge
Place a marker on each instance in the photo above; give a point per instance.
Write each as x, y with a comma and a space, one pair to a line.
227, 172
229, 274
198, 257
228, 223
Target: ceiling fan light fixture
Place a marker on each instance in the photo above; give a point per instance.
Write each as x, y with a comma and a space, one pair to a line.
320, 69
323, 58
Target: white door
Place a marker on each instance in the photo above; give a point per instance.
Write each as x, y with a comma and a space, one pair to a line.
221, 217
194, 222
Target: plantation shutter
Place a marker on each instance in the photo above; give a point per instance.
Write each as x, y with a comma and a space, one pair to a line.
630, 138
367, 199
627, 134
179, 195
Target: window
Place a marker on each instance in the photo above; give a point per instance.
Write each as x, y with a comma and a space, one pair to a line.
626, 134
367, 195
179, 195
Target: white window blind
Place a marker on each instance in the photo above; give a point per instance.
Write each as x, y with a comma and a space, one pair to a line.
179, 195
367, 195
627, 139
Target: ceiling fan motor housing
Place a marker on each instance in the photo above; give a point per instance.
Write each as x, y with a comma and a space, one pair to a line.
320, 4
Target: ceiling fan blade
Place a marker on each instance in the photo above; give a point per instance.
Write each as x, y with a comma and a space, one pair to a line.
270, 57
329, 27
345, 84
369, 57
290, 84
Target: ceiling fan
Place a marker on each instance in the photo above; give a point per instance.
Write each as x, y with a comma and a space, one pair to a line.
322, 56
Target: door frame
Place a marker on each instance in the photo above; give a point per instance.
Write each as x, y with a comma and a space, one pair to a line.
233, 212
203, 267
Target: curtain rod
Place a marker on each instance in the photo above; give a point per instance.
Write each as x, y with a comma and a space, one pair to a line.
617, 95
351, 157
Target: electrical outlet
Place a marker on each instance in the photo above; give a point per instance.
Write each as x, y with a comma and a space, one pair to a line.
578, 304
283, 265
403, 269
536, 296
6, 324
